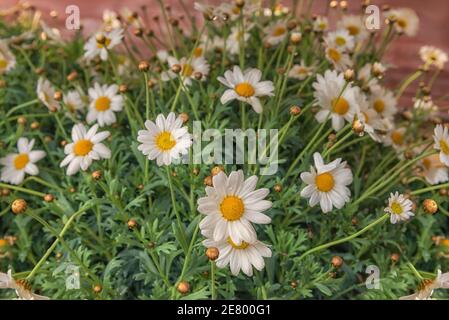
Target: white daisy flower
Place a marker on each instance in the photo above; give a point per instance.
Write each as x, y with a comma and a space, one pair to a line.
164, 140
245, 87
7, 59
326, 184
104, 101
93, 48
234, 39
300, 71
340, 39
427, 286
341, 105
434, 171
426, 105
233, 11
45, 92
433, 56
395, 138
23, 289
355, 26
189, 67
231, 205
383, 102
441, 138
365, 76
406, 21
110, 20
73, 101
85, 148
339, 58
276, 33
240, 257
368, 117
16, 165
320, 24
399, 208
131, 18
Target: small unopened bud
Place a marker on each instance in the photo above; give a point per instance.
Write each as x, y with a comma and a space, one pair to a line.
349, 75
195, 171
240, 3
358, 127
212, 253
443, 192
277, 187
57, 96
294, 284
176, 68
34, 125
144, 66
22, 120
49, 198
296, 37
97, 288
123, 88
198, 75
183, 287
132, 224
333, 4
96, 175
138, 32
430, 206
39, 71
63, 143
295, 110
337, 261
72, 76
19, 206
184, 117
5, 192
395, 257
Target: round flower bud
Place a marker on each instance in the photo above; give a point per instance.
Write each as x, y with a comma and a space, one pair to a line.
358, 127
443, 192
63, 143
57, 96
337, 261
39, 71
144, 66
97, 288
198, 75
138, 32
22, 120
72, 190
277, 187
212, 253
72, 76
195, 171
176, 68
296, 37
294, 284
184, 117
216, 170
183, 287
349, 75
140, 187
34, 125
49, 197
132, 224
240, 3
123, 88
430, 206
295, 110
395, 257
19, 206
354, 221
96, 175
5, 192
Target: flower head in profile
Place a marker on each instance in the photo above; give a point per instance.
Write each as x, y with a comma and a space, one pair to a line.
301, 71
45, 92
73, 101
110, 20
433, 56
99, 44
7, 59
164, 140
372, 122
434, 171
441, 138
16, 165
404, 21
245, 86
231, 205
427, 286
85, 147
336, 99
190, 69
22, 287
326, 184
104, 102
399, 208
235, 38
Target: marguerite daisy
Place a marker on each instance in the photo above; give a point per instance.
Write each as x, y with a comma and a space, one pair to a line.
340, 39
355, 26
234, 39
339, 58
85, 148
383, 102
94, 48
190, 69
45, 93
164, 140
73, 101
17, 164
320, 24
22, 287
399, 208
368, 117
104, 101
231, 205
335, 97
441, 138
245, 87
300, 71
395, 137
7, 59
405, 21
326, 184
276, 33
427, 286
433, 56
434, 171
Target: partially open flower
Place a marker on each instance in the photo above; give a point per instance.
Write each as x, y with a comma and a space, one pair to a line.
22, 287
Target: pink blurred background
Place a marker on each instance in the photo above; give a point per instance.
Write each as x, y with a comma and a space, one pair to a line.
403, 54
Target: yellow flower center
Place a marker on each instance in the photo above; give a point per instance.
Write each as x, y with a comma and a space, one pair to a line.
102, 103
444, 146
3, 63
324, 182
335, 55
187, 70
427, 163
107, 41
397, 137
3, 243
445, 242
245, 89
340, 41
302, 70
379, 106
198, 52
322, 26
340, 106
82, 147
279, 31
232, 208
402, 23
21, 161
353, 30
165, 141
396, 208
242, 245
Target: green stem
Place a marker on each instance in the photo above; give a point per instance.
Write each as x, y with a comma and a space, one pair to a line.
212, 281
24, 190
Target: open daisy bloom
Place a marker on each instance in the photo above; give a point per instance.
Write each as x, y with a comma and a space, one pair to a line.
434, 171
242, 257
164, 140
235, 38
340, 39
383, 102
104, 101
338, 57
16, 165
45, 93
276, 33
85, 148
427, 286
405, 20
300, 71
355, 25
108, 40
441, 138
372, 122
245, 87
395, 137
320, 24
399, 208
194, 68
335, 99
231, 205
7, 59
433, 56
326, 184
73, 101
23, 289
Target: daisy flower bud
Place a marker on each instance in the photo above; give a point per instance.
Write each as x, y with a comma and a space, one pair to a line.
144, 66
395, 257
96, 175
21, 120
19, 206
123, 88
57, 95
430, 206
295, 110
35, 125
212, 253
72, 76
132, 224
277, 187
337, 261
49, 198
183, 287
97, 288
